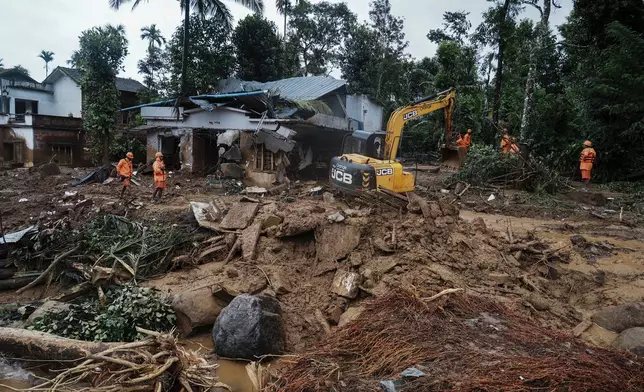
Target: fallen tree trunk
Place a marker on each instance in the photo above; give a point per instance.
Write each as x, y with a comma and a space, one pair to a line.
15, 283
43, 346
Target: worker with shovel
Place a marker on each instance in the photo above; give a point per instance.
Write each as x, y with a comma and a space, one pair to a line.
160, 177
124, 171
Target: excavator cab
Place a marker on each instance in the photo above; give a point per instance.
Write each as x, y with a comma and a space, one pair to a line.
369, 144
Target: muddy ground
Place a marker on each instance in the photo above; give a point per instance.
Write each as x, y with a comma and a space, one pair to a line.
516, 248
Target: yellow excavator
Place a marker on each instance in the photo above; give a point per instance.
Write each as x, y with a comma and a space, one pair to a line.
366, 165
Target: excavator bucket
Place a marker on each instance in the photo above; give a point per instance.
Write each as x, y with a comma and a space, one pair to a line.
453, 157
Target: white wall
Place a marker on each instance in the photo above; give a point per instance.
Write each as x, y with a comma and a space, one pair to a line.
361, 108
27, 134
220, 118
67, 98
45, 100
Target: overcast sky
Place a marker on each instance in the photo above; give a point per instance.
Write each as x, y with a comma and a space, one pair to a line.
29, 26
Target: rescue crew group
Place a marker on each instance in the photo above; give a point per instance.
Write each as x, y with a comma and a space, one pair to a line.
509, 146
125, 171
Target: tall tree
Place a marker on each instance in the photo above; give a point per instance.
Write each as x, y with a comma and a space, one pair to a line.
153, 62
258, 49
153, 35
319, 31
47, 57
202, 8
211, 56
542, 32
100, 58
284, 7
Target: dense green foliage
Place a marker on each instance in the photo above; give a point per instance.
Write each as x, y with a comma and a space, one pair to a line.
100, 58
259, 49
509, 71
113, 318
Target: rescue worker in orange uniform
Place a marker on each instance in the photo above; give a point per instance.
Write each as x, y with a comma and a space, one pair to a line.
160, 176
460, 141
586, 161
506, 142
125, 170
514, 147
467, 139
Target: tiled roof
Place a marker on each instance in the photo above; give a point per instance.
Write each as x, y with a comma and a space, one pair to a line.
305, 88
122, 84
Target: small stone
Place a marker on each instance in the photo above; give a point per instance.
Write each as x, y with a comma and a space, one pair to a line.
498, 278
333, 314
382, 245
336, 217
368, 284
280, 283
355, 259
398, 270
328, 197
538, 302
346, 284
232, 272
367, 273
620, 318
631, 339
350, 315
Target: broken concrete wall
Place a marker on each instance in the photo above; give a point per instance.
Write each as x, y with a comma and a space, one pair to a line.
185, 155
17, 142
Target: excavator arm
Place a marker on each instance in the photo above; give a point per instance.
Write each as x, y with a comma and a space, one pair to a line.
419, 108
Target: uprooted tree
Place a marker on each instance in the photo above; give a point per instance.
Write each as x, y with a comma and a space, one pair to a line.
100, 58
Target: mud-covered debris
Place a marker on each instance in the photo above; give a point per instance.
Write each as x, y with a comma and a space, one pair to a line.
361, 213
195, 309
49, 169
249, 238
538, 302
500, 278
336, 241
231, 272
333, 314
296, 225
232, 170
280, 282
328, 197
239, 216
346, 284
355, 259
47, 307
599, 336
249, 327
206, 214
579, 240
224, 293
272, 220
382, 245
255, 190
632, 340
336, 217
620, 318
350, 315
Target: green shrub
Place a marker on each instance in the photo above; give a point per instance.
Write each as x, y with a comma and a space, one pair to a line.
126, 307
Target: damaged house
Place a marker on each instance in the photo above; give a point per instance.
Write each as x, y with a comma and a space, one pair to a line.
40, 122
275, 128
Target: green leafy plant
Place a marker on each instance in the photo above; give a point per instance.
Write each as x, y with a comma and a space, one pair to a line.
126, 307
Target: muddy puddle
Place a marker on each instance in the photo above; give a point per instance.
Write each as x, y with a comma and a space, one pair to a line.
232, 373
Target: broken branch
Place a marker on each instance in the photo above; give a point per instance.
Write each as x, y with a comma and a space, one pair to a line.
46, 272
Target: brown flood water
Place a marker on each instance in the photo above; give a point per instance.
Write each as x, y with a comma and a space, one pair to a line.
232, 373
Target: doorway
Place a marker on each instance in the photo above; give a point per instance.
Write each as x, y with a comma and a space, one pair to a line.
171, 152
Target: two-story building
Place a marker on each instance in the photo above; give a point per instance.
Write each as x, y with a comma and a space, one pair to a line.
43, 121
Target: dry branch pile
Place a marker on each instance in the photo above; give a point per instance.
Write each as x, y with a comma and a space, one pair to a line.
467, 343
154, 364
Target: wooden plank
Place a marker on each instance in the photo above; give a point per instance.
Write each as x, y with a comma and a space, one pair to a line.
239, 216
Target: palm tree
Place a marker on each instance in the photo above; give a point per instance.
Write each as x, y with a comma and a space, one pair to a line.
283, 7
153, 35
47, 57
203, 8
1, 64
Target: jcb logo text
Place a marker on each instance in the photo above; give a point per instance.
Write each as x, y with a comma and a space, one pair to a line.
341, 176
411, 114
384, 172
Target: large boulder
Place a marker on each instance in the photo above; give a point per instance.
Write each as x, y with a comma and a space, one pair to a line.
194, 309
631, 339
249, 327
48, 307
620, 318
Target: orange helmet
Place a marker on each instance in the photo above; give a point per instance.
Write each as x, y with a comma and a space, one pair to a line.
514, 138
130, 155
469, 131
588, 143
158, 155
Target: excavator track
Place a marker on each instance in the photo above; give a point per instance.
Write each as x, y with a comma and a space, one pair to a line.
383, 197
